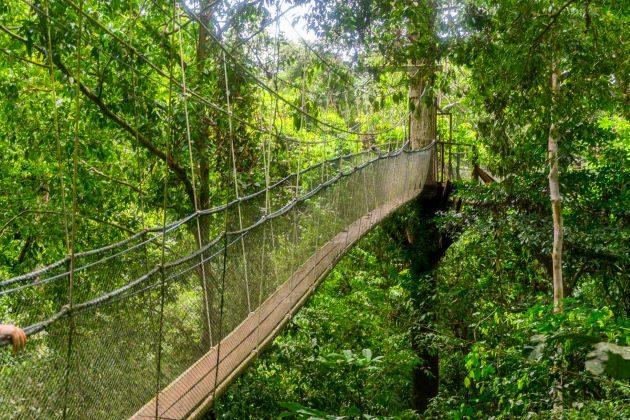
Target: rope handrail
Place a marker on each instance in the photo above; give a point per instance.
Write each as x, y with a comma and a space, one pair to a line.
159, 229
142, 342
65, 311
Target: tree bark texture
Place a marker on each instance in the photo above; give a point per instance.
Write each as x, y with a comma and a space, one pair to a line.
423, 118
556, 205
422, 126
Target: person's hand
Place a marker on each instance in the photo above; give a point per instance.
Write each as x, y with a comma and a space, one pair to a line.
15, 334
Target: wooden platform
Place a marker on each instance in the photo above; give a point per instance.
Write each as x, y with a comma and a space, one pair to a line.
194, 391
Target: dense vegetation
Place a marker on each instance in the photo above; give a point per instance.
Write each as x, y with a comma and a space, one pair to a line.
348, 352
512, 299
502, 351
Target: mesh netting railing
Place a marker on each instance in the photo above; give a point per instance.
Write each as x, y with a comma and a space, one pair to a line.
157, 337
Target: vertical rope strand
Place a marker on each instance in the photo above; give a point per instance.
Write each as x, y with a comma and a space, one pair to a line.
323, 168
75, 154
221, 309
353, 190
171, 135
134, 105
234, 173
297, 176
263, 255
222, 300
272, 129
51, 73
192, 174
60, 165
75, 159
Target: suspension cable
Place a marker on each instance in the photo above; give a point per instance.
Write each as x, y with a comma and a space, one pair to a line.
131, 29
69, 246
75, 161
51, 72
234, 173
272, 124
200, 239
170, 138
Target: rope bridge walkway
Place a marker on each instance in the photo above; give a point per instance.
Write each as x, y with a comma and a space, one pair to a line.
160, 336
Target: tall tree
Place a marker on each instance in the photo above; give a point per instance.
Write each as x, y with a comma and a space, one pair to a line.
544, 74
391, 36
554, 194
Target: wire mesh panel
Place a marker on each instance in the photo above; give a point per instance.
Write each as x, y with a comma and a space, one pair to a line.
113, 347
163, 321
456, 161
34, 385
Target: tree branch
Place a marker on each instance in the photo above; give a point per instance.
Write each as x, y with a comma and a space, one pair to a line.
556, 14
93, 219
554, 17
26, 60
239, 9
110, 114
142, 139
11, 221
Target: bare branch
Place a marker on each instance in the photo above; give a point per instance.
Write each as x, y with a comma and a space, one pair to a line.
116, 180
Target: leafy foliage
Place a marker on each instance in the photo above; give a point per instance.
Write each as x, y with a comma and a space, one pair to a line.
354, 349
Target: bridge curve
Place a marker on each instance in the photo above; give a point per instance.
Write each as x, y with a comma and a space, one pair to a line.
196, 389
160, 326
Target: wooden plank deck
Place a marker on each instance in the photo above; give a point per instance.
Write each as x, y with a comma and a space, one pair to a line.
194, 391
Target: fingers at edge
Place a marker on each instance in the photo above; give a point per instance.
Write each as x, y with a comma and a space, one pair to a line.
23, 337
18, 340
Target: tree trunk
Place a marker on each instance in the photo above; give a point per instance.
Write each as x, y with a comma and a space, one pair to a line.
423, 118
422, 126
556, 206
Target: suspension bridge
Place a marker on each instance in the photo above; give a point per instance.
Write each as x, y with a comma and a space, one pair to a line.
157, 325
155, 335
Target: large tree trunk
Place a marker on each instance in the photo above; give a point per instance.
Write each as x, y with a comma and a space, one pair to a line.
422, 132
422, 125
556, 206
202, 132
423, 118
